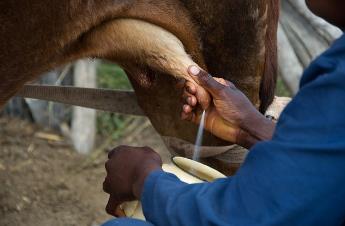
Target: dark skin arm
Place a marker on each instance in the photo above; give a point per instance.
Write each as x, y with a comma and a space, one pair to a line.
230, 114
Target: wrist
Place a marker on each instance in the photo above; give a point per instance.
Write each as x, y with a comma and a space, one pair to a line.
258, 126
245, 140
139, 180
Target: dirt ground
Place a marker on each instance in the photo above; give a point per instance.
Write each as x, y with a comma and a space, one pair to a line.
44, 182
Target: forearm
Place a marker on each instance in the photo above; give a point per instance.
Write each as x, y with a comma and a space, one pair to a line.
260, 130
168, 201
244, 139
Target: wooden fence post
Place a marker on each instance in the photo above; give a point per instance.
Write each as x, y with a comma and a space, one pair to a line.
84, 120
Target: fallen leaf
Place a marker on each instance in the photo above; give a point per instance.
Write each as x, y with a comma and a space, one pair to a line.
48, 136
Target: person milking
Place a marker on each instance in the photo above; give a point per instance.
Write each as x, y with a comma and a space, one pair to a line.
294, 173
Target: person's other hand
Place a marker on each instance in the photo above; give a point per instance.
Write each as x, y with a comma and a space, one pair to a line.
127, 169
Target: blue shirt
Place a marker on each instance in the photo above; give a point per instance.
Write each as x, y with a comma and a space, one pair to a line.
297, 178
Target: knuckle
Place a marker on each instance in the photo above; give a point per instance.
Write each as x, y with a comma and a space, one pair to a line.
106, 187
116, 150
190, 89
222, 81
204, 73
189, 84
111, 153
107, 166
148, 150
231, 85
122, 147
207, 78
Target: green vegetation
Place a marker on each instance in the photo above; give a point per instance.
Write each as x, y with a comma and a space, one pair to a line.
111, 76
282, 90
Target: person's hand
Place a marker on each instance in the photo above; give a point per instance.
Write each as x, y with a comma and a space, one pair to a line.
230, 114
127, 169
230, 103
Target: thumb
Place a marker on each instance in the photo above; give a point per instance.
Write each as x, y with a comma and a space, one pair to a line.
205, 80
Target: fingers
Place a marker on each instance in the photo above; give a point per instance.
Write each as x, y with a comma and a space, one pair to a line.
106, 186
205, 80
190, 88
187, 116
192, 101
189, 94
192, 117
187, 109
112, 206
195, 94
119, 212
189, 104
189, 100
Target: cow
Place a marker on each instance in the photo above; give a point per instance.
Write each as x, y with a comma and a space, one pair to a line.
154, 41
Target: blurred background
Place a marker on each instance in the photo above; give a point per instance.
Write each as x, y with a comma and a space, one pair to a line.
52, 155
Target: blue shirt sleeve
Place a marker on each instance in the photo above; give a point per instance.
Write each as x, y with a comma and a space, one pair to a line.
297, 178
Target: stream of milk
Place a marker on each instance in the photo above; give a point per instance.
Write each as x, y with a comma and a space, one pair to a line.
198, 142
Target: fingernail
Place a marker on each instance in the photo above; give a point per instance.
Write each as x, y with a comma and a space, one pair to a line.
194, 70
